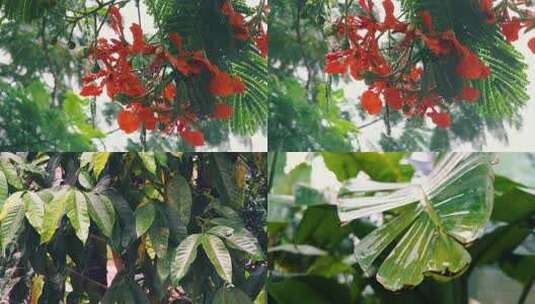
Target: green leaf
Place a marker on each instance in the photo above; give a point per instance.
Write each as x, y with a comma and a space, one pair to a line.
145, 215
11, 218
231, 296
445, 211
99, 161
148, 160
159, 234
185, 254
101, 212
219, 256
39, 94
178, 199
240, 239
11, 174
301, 249
54, 211
76, 209
384, 167
285, 183
4, 191
38, 282
224, 177
35, 209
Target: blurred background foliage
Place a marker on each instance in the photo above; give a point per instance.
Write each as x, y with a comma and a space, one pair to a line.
311, 253
309, 110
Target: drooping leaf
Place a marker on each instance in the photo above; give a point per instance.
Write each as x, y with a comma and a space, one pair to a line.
445, 211
178, 199
35, 209
3, 188
101, 212
219, 256
37, 288
185, 255
149, 161
11, 174
224, 177
240, 239
99, 161
145, 215
76, 209
302, 249
11, 218
54, 211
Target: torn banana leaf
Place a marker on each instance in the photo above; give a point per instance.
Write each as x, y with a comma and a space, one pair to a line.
440, 215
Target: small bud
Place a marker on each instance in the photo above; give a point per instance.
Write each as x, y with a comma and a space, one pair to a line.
72, 45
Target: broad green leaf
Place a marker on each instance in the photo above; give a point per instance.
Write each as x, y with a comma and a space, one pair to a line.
231, 296
99, 161
445, 211
384, 167
54, 211
127, 220
11, 174
185, 254
159, 234
145, 215
35, 209
3, 188
36, 290
240, 239
225, 182
285, 183
76, 209
39, 93
302, 249
101, 212
219, 256
11, 218
149, 161
178, 199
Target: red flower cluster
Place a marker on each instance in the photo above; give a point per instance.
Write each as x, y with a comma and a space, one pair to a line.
145, 104
511, 25
400, 84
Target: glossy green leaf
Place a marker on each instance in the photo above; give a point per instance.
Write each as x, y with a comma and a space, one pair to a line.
54, 211
76, 209
12, 176
178, 199
99, 161
385, 167
11, 218
184, 257
145, 215
442, 213
240, 239
3, 188
224, 177
149, 161
35, 209
219, 256
101, 212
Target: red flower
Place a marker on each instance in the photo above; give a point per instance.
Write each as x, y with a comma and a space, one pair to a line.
236, 21
222, 84
371, 102
441, 120
146, 116
91, 90
531, 45
470, 67
393, 98
427, 19
128, 121
169, 92
180, 64
222, 111
139, 46
390, 20
176, 39
261, 41
469, 94
193, 138
511, 28
116, 21
335, 67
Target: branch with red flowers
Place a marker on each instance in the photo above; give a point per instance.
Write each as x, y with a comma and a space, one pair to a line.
400, 77
154, 80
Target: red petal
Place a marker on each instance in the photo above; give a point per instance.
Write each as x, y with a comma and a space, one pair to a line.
91, 90
371, 102
441, 120
222, 111
393, 98
469, 94
176, 39
510, 29
170, 92
128, 121
193, 138
531, 45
